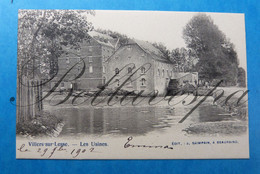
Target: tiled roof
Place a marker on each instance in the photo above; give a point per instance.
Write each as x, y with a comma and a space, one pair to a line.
95, 33
150, 49
102, 39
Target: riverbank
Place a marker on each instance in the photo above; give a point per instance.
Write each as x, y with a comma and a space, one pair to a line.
162, 113
227, 128
234, 107
232, 102
42, 125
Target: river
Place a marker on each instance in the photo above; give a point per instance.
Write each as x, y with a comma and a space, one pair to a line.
131, 120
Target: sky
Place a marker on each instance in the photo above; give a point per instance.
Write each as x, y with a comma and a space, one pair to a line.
167, 27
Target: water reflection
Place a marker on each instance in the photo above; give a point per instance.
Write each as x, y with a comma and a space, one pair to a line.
108, 120
131, 120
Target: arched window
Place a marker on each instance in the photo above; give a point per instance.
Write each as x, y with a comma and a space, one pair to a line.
117, 71
163, 73
129, 70
67, 60
143, 82
143, 70
117, 82
130, 82
167, 81
90, 69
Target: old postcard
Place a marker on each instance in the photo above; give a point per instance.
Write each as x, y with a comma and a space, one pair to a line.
97, 84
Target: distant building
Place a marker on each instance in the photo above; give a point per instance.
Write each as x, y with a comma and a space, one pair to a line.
187, 77
94, 50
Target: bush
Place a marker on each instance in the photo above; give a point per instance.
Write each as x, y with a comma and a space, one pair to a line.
43, 124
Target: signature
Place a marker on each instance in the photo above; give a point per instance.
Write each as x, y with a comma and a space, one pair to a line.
127, 145
97, 97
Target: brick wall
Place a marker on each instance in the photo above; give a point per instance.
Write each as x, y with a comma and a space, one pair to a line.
131, 55
93, 54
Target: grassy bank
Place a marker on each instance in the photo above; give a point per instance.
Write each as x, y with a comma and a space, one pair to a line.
232, 103
234, 108
44, 124
217, 128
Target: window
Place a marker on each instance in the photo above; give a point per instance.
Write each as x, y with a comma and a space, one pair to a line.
129, 70
158, 72
117, 82
167, 72
90, 49
129, 47
116, 71
67, 60
167, 80
143, 81
104, 69
130, 82
104, 80
90, 59
163, 73
62, 84
171, 73
143, 70
116, 57
90, 69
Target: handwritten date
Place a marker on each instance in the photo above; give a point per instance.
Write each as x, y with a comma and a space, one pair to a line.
49, 152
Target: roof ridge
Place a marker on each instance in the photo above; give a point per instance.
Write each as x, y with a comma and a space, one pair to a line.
147, 42
152, 53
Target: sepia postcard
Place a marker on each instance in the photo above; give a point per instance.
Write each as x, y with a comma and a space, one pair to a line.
95, 84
